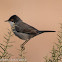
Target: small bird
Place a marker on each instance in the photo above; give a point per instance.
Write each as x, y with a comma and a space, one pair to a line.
23, 30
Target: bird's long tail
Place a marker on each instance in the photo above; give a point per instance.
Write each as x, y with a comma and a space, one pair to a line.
45, 31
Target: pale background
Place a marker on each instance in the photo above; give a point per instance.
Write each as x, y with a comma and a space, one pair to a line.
43, 15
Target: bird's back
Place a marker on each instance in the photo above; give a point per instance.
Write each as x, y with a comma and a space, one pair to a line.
25, 28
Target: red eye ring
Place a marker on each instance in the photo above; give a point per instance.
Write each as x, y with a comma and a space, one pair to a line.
12, 20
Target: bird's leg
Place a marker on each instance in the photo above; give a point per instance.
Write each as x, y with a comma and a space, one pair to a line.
25, 42
22, 46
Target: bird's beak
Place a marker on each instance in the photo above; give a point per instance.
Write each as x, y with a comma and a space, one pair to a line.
6, 21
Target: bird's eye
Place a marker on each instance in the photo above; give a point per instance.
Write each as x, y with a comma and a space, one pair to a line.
12, 20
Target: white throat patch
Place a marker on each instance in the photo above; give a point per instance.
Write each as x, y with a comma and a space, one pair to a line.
11, 23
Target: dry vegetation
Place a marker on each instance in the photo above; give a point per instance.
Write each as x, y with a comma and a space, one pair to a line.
56, 53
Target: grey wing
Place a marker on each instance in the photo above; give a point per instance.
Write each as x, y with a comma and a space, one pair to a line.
25, 28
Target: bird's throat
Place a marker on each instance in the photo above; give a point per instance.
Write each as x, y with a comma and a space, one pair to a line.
11, 23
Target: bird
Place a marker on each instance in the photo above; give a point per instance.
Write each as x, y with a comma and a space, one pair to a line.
23, 30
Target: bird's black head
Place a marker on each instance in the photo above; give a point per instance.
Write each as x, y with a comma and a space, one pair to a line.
14, 18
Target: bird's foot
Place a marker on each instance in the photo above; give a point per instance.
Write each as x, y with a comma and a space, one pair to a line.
22, 48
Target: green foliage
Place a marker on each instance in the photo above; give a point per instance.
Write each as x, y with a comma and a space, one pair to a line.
4, 53
56, 53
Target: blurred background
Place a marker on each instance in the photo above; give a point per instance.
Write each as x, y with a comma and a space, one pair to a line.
41, 14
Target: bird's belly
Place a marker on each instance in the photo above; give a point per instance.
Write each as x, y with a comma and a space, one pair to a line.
22, 36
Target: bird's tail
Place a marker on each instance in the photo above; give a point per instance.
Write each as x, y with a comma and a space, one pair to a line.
45, 31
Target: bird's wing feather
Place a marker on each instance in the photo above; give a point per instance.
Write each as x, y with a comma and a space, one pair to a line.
25, 28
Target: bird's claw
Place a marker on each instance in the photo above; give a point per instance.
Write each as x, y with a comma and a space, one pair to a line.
22, 48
